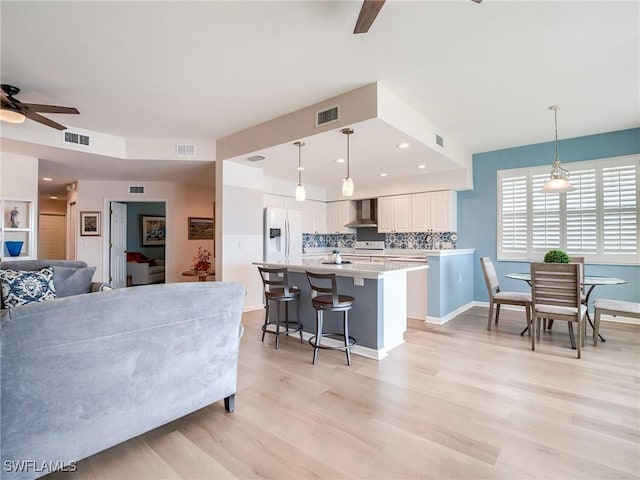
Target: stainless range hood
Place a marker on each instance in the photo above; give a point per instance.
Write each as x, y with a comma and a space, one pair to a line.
367, 214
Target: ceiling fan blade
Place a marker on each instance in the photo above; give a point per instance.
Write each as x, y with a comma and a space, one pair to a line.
45, 121
368, 13
477, 1
36, 107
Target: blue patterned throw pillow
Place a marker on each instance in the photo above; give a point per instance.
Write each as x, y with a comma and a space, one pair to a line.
19, 288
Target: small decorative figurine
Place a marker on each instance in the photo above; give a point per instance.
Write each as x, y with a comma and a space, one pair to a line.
14, 217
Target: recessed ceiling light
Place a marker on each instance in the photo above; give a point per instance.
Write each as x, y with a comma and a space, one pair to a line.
47, 179
422, 166
403, 145
340, 160
383, 174
53, 198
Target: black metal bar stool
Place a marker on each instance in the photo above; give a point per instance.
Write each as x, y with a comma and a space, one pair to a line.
276, 289
325, 297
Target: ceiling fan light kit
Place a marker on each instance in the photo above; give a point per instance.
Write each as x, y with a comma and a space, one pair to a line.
301, 194
13, 110
347, 182
11, 116
559, 178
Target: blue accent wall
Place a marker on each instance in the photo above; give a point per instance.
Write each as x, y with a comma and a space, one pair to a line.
450, 283
477, 208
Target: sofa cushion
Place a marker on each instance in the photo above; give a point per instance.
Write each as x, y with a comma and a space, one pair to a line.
22, 287
72, 281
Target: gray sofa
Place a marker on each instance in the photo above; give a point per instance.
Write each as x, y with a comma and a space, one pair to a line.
83, 373
70, 277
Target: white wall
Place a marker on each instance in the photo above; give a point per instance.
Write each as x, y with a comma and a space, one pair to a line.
239, 192
190, 201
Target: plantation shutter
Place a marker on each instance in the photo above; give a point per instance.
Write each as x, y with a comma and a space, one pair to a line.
620, 229
581, 213
514, 214
545, 215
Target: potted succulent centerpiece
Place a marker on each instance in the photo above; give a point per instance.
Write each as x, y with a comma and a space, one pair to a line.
556, 256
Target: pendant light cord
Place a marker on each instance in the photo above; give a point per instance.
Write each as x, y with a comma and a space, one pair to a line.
555, 114
348, 150
299, 162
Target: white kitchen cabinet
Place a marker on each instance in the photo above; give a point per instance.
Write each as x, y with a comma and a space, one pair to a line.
315, 217
17, 225
420, 212
444, 211
394, 214
339, 214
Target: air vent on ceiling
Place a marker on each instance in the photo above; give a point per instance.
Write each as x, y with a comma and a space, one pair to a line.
256, 158
136, 189
439, 140
184, 150
327, 116
75, 138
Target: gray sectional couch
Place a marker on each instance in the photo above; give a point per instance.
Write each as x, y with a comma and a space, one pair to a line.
83, 373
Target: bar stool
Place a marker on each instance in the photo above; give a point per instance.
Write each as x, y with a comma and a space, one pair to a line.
276, 289
325, 298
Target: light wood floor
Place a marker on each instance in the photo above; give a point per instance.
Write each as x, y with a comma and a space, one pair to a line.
453, 402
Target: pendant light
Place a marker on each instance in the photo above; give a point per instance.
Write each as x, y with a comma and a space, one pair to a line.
559, 181
347, 182
301, 194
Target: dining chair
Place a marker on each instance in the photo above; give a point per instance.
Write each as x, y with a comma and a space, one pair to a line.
617, 308
497, 297
556, 294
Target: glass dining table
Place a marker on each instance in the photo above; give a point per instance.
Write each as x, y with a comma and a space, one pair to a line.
589, 283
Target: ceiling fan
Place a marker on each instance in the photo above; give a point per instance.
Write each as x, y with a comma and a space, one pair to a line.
14, 111
368, 13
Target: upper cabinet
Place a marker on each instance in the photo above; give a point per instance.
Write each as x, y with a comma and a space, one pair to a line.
315, 216
444, 211
339, 214
17, 233
394, 214
419, 212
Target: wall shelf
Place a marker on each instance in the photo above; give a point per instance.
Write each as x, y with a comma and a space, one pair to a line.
25, 232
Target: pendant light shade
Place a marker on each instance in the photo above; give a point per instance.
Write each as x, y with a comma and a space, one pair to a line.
347, 182
301, 193
559, 181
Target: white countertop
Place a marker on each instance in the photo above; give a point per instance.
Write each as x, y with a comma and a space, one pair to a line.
356, 269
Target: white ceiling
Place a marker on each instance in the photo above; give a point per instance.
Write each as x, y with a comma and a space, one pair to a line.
484, 74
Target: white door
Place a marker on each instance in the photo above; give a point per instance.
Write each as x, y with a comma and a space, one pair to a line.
118, 241
51, 237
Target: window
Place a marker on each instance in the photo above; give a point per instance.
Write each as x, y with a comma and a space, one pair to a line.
598, 220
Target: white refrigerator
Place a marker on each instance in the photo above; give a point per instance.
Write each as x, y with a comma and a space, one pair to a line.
282, 235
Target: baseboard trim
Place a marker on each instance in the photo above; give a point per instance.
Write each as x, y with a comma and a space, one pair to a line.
449, 316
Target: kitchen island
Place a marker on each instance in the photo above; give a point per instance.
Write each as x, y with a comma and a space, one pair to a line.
378, 318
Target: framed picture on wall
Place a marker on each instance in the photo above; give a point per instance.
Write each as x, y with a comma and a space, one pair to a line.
90, 224
200, 228
153, 229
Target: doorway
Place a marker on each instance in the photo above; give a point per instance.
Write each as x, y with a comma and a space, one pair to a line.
127, 226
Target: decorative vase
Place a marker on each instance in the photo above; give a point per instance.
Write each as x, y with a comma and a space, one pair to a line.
14, 248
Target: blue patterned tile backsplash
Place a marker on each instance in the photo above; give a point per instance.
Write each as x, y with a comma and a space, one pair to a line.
411, 240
